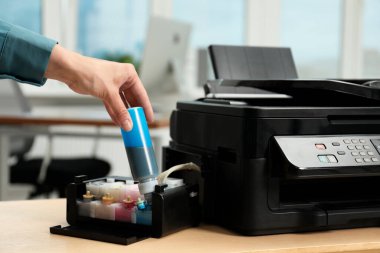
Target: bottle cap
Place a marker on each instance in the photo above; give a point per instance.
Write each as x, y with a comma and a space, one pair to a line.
107, 199
88, 196
140, 204
129, 202
147, 187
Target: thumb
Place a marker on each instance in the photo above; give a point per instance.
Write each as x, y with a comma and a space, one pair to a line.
120, 111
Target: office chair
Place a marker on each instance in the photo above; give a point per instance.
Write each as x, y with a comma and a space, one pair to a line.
45, 174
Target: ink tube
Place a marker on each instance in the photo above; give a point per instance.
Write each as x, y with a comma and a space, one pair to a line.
139, 148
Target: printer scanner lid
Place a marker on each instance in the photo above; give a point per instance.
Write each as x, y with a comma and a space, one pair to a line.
246, 72
287, 89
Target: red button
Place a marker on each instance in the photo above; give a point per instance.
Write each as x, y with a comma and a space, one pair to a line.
320, 146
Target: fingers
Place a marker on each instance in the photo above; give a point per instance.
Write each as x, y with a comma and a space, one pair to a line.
111, 113
136, 95
118, 111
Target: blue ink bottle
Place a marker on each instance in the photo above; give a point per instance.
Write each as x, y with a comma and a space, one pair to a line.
139, 148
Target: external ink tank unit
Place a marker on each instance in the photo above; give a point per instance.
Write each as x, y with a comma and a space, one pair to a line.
138, 145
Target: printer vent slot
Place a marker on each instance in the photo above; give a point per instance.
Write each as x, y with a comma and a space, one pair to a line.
227, 155
354, 119
332, 191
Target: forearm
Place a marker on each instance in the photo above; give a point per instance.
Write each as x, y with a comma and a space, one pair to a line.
31, 58
24, 54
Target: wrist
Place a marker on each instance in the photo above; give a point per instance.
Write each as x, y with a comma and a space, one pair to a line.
65, 66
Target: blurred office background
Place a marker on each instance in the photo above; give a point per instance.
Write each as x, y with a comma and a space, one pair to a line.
328, 38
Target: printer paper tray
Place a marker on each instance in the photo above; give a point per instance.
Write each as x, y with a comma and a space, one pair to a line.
333, 172
354, 217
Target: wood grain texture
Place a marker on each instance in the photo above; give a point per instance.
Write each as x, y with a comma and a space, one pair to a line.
25, 228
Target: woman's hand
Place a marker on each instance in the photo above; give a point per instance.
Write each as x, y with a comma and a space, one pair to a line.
102, 79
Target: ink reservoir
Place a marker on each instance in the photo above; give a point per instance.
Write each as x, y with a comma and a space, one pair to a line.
113, 210
141, 157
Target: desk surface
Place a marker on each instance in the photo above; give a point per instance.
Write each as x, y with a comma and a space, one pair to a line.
25, 228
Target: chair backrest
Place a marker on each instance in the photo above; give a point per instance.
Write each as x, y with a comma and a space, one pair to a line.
14, 102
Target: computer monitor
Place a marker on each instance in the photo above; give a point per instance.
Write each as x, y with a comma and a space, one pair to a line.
162, 67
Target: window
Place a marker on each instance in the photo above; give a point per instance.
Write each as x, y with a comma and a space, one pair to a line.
22, 13
213, 21
371, 39
312, 30
112, 30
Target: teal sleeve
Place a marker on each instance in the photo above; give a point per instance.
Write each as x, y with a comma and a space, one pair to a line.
24, 55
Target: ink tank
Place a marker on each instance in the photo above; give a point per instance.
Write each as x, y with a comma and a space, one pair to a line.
139, 148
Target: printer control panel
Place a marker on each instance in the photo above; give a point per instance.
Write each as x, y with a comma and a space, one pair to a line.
311, 152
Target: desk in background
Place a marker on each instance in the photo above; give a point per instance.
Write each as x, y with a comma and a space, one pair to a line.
25, 228
8, 128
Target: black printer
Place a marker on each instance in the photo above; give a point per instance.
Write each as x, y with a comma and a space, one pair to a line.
279, 154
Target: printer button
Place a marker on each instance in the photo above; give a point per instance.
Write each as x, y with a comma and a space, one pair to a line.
350, 147
367, 160
370, 153
358, 160
323, 158
355, 141
335, 144
362, 141
362, 153
374, 159
346, 141
320, 146
366, 147
359, 147
332, 159
354, 153
341, 153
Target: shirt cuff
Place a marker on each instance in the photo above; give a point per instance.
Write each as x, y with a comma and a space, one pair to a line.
25, 55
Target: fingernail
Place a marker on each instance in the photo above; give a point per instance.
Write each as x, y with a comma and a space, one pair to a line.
152, 119
127, 125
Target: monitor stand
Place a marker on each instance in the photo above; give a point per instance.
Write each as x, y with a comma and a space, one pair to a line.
167, 91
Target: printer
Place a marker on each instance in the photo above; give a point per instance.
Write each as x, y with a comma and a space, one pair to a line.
279, 154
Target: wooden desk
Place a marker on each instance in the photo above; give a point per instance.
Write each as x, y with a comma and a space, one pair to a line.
25, 228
